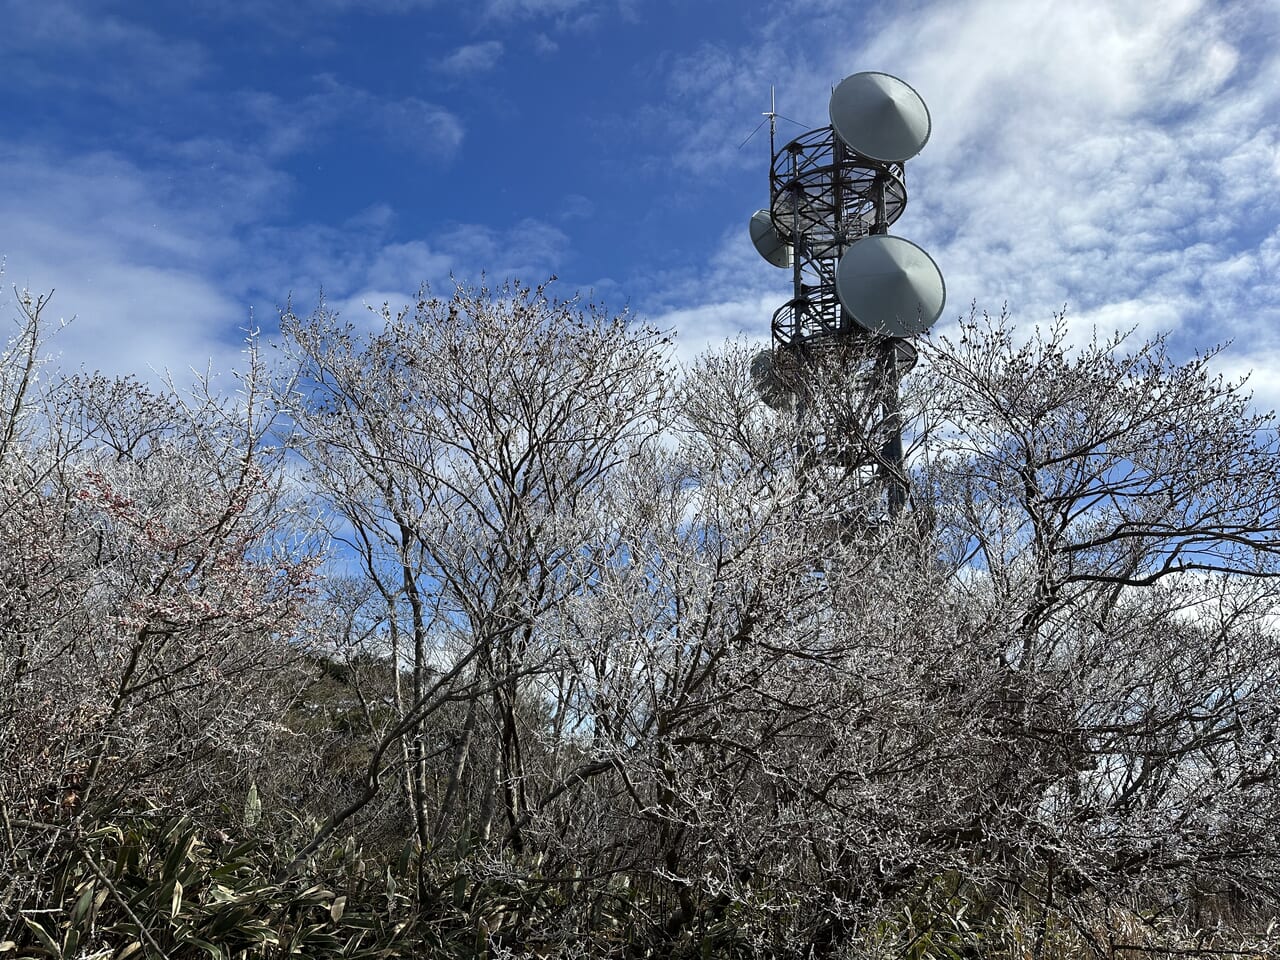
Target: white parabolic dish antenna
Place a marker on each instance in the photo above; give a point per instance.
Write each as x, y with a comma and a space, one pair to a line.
771, 387
767, 242
890, 286
880, 117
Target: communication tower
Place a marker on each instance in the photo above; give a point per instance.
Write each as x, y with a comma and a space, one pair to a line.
860, 294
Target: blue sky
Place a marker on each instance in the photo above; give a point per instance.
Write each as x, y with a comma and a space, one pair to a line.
171, 168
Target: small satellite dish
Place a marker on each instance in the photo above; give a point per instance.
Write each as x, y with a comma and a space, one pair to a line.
772, 388
768, 243
880, 117
890, 286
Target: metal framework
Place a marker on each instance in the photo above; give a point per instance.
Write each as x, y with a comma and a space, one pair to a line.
823, 198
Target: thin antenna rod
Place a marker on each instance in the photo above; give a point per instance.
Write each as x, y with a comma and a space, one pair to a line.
773, 119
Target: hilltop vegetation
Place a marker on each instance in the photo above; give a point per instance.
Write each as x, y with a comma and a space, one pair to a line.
488, 631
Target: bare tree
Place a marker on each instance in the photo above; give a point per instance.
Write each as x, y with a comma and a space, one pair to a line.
629, 664
465, 449
675, 683
152, 579
1113, 518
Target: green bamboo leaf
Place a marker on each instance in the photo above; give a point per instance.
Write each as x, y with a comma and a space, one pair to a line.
111, 832
336, 910
225, 921
181, 849
239, 851
214, 951
266, 936
81, 909
129, 950
41, 934
127, 859
175, 903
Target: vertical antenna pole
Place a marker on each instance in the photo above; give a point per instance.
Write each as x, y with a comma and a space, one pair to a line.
773, 121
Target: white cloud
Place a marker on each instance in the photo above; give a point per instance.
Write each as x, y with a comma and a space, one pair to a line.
530, 249
62, 45
133, 261
160, 273
577, 207
532, 8
403, 265
1146, 317
711, 325
409, 123
564, 13
1121, 159
426, 128
466, 253
732, 298
472, 58
1098, 153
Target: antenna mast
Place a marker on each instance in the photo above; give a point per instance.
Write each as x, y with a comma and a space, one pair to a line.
773, 119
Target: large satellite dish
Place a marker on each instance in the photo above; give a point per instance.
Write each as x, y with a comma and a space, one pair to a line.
880, 117
890, 286
768, 243
773, 389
